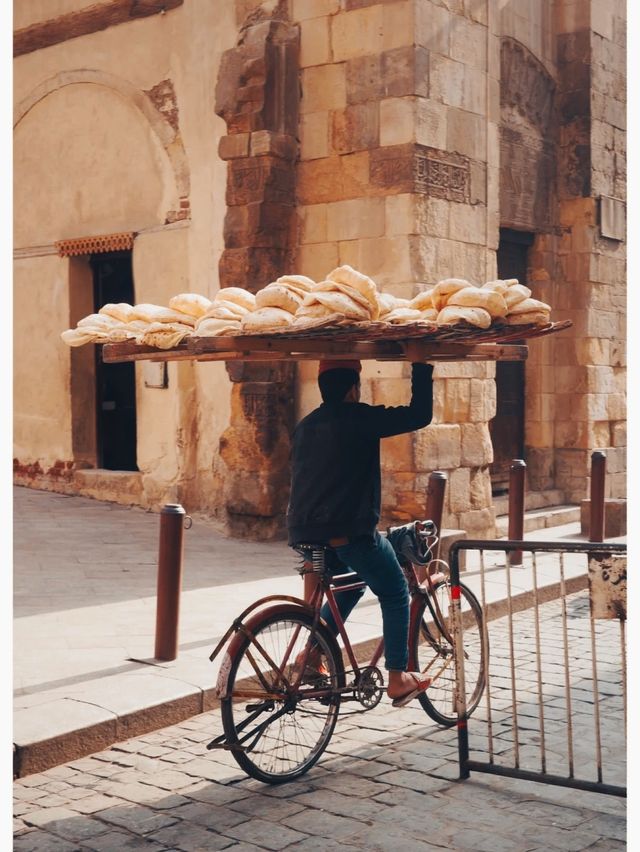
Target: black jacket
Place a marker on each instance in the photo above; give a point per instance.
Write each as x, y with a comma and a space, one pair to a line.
335, 482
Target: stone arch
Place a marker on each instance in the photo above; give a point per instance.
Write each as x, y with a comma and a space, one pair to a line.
164, 129
527, 143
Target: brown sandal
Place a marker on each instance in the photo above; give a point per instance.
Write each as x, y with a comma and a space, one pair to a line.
421, 686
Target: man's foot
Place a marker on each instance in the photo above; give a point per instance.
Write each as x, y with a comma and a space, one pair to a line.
405, 686
314, 668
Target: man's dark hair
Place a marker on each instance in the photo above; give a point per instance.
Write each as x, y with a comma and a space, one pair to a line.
335, 384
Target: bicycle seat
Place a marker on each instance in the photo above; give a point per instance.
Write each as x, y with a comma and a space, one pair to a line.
321, 555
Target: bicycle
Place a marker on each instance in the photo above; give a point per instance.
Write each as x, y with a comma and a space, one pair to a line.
277, 719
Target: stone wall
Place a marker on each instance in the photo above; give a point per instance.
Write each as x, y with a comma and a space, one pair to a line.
590, 377
394, 179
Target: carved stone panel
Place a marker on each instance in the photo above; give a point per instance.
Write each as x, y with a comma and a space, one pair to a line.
527, 143
417, 168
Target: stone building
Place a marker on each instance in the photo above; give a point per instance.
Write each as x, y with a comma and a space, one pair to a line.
185, 145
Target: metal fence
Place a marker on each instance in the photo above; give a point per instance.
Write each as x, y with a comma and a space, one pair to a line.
554, 702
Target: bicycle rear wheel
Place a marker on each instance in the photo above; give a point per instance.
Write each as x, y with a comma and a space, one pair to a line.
280, 730
434, 654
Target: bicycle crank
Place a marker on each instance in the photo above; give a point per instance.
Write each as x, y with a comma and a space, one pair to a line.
368, 688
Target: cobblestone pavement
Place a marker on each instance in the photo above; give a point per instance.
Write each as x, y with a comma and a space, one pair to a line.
388, 780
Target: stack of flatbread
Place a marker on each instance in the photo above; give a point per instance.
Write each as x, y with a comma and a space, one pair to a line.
345, 294
227, 310
457, 300
278, 303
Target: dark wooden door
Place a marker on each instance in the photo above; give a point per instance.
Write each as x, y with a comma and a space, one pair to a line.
115, 383
507, 427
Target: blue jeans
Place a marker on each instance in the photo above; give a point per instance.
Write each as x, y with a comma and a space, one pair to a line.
374, 561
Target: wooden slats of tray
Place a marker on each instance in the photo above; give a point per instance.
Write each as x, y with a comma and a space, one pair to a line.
366, 341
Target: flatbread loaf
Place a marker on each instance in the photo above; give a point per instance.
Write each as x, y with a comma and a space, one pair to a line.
212, 327
423, 300
300, 282
453, 314
225, 310
120, 311
351, 277
446, 288
401, 315
429, 315
103, 321
515, 294
77, 336
165, 335
527, 305
156, 313
328, 286
314, 311
386, 303
528, 318
238, 295
264, 318
192, 304
476, 297
497, 286
279, 296
340, 303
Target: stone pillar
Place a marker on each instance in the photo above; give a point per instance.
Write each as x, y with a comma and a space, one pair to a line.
395, 178
590, 372
257, 95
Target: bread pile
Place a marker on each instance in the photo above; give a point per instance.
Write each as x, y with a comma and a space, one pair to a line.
146, 324
345, 296
457, 300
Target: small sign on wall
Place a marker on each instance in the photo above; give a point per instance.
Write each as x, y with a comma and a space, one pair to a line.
155, 374
608, 586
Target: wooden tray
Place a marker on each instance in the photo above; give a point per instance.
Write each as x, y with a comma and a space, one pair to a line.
365, 341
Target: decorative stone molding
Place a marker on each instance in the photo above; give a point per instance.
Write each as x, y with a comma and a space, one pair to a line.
416, 168
95, 245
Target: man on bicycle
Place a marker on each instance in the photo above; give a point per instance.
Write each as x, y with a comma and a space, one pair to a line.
335, 500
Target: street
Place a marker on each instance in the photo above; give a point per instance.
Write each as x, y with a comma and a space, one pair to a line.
388, 781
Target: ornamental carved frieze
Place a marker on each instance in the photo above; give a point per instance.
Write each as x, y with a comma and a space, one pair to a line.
420, 169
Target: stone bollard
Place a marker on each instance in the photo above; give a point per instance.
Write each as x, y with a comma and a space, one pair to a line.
169, 581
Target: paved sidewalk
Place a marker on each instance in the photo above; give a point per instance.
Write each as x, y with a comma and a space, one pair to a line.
84, 609
386, 783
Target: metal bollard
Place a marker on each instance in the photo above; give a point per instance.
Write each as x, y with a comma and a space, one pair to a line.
434, 509
169, 581
517, 471
596, 508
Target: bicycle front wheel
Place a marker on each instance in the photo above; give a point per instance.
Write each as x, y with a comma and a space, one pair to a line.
434, 654
278, 728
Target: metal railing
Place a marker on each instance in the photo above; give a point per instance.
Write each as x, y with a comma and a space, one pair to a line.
554, 704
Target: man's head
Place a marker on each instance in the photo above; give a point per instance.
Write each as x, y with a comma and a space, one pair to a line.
339, 381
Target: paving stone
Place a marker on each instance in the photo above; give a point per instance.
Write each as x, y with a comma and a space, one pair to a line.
42, 841
93, 804
208, 816
190, 838
413, 780
316, 823
66, 823
381, 837
118, 841
138, 819
265, 806
267, 835
337, 803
